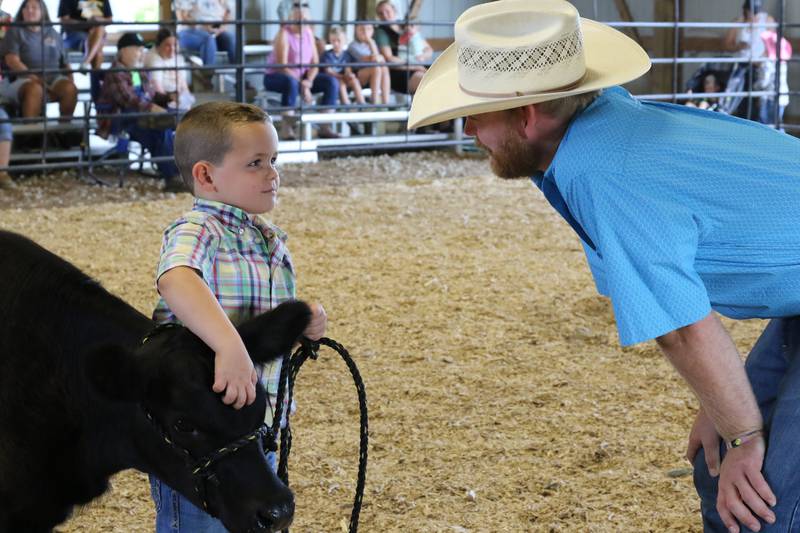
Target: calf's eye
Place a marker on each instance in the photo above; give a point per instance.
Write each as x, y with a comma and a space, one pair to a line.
182, 426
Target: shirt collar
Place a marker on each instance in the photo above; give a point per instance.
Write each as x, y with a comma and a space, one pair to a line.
230, 216
538, 177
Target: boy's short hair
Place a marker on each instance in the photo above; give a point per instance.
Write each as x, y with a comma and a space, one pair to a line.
335, 30
204, 133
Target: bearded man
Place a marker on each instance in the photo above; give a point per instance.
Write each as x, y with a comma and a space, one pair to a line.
682, 213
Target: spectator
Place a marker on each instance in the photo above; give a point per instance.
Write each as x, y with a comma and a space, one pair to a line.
766, 81
404, 78
294, 45
130, 91
747, 44
412, 46
711, 84
337, 58
5, 20
206, 34
172, 79
76, 17
31, 49
365, 50
5, 150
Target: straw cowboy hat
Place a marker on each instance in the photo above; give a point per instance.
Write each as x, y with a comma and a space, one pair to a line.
512, 53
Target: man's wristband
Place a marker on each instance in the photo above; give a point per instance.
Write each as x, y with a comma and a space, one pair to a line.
743, 438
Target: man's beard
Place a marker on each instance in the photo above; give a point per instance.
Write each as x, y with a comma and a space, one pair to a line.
513, 158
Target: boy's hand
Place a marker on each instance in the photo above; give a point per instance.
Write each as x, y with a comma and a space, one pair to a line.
316, 328
234, 374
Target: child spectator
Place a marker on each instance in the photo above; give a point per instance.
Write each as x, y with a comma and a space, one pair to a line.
336, 58
29, 51
710, 85
171, 80
364, 50
221, 263
412, 46
76, 17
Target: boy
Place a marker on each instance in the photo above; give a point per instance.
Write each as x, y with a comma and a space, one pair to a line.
221, 263
336, 60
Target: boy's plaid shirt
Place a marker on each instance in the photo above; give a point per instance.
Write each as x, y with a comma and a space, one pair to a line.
242, 258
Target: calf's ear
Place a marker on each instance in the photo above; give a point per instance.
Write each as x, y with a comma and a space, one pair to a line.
116, 373
272, 334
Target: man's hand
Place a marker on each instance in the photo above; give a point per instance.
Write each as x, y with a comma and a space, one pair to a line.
319, 320
234, 374
743, 493
704, 434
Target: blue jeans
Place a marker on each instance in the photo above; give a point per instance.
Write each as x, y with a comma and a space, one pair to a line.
206, 45
75, 40
773, 368
289, 87
766, 110
176, 514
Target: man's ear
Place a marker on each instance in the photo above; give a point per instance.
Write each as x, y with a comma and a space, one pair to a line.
203, 180
272, 334
116, 373
525, 119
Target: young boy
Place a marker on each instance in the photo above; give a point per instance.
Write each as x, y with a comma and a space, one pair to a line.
221, 263
336, 59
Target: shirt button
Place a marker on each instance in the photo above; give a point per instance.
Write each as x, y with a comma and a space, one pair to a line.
241, 231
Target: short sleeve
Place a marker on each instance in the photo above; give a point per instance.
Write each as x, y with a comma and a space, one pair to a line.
645, 257
184, 5
187, 244
11, 42
382, 38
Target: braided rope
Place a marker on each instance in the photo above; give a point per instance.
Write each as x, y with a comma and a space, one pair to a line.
291, 367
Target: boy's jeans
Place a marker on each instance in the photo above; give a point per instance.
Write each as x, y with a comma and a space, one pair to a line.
176, 514
773, 367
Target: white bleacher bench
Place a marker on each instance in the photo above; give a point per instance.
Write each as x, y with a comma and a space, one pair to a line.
309, 119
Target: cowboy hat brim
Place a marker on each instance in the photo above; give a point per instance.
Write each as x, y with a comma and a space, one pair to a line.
612, 58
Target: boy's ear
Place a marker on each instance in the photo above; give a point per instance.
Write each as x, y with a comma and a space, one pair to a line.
203, 180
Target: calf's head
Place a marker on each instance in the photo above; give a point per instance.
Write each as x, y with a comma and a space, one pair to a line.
170, 376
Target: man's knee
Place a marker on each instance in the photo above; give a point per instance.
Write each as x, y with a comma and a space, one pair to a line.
704, 482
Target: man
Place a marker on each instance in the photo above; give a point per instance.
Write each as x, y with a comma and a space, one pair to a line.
681, 212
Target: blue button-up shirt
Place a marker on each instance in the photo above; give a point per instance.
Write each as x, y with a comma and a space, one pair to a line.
680, 211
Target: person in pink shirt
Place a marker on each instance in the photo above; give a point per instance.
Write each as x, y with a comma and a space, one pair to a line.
294, 45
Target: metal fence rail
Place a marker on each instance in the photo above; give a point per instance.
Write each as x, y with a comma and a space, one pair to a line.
241, 68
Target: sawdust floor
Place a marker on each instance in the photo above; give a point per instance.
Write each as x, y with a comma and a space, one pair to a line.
499, 397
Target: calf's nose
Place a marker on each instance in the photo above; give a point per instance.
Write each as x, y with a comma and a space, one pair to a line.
278, 517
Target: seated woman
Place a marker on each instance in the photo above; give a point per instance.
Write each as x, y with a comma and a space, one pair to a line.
405, 77
294, 44
130, 91
172, 79
76, 17
27, 53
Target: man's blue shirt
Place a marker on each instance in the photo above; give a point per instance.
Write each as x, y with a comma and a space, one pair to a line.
680, 211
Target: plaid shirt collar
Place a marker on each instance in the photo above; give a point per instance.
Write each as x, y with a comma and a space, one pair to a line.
234, 218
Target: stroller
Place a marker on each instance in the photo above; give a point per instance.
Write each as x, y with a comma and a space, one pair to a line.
733, 77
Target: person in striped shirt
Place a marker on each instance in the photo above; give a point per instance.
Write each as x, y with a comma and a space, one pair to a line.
222, 263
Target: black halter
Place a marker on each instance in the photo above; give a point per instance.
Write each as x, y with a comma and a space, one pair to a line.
200, 469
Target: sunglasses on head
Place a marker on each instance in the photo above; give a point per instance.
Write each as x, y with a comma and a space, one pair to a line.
301, 4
